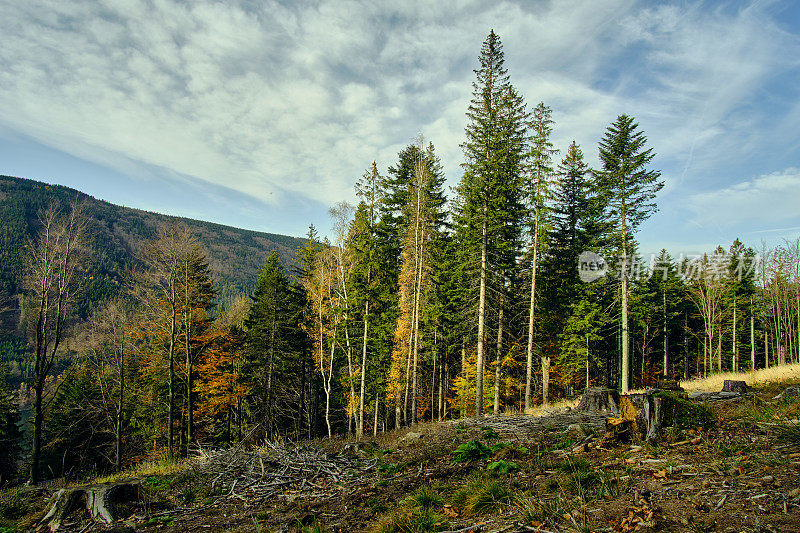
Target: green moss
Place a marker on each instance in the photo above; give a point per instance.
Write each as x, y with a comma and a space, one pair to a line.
685, 414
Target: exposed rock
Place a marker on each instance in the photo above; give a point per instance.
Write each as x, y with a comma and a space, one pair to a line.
353, 449
411, 436
576, 431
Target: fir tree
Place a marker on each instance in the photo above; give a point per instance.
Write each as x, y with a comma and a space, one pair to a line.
539, 192
268, 340
628, 190
490, 204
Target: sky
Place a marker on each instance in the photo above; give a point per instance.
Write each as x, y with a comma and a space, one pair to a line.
263, 114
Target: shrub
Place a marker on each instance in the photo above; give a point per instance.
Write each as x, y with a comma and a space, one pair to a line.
490, 433
502, 467
413, 520
470, 451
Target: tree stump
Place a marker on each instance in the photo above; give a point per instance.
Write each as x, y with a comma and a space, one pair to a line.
792, 391
670, 385
737, 387
645, 415
650, 415
599, 400
100, 501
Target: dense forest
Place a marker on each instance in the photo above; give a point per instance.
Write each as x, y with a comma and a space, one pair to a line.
422, 304
115, 233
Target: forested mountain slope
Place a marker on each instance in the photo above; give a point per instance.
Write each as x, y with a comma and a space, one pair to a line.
235, 255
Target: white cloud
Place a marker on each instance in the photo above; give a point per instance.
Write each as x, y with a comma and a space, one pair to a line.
767, 199
301, 98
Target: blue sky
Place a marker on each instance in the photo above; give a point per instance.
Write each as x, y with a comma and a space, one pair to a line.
263, 114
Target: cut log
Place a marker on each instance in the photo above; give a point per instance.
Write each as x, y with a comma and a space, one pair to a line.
100, 501
738, 387
599, 400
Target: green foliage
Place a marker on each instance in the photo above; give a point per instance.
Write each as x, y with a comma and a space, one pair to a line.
542, 510
315, 527
412, 520
274, 348
490, 498
390, 469
115, 232
12, 505
77, 439
424, 498
502, 467
789, 433
471, 451
628, 187
416, 514
10, 431
582, 482
490, 433
504, 450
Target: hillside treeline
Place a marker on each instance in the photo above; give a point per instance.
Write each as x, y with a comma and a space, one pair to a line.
423, 304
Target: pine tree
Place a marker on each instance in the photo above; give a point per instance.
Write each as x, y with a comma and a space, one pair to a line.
629, 190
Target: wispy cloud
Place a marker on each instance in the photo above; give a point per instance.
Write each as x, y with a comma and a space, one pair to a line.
767, 199
280, 99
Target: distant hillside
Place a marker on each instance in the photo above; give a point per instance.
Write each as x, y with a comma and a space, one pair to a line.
235, 255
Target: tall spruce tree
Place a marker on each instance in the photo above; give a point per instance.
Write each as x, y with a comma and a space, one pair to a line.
268, 341
364, 243
490, 203
539, 193
629, 189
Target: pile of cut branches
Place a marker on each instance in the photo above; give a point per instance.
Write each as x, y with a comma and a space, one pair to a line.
254, 475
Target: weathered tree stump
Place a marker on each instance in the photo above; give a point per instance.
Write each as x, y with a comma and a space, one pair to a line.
737, 387
650, 415
646, 415
792, 391
100, 501
669, 384
599, 400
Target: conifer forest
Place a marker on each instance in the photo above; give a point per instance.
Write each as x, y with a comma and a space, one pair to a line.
521, 286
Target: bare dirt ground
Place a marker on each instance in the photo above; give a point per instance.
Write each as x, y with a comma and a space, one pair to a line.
736, 470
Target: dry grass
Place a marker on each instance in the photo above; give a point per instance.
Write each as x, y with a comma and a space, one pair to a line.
776, 374
158, 466
560, 405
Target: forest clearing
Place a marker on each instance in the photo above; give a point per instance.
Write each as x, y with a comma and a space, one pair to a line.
732, 466
501, 350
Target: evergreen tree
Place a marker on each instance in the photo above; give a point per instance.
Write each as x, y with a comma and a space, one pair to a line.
490, 205
628, 190
743, 290
269, 349
539, 194
583, 326
10, 433
196, 299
